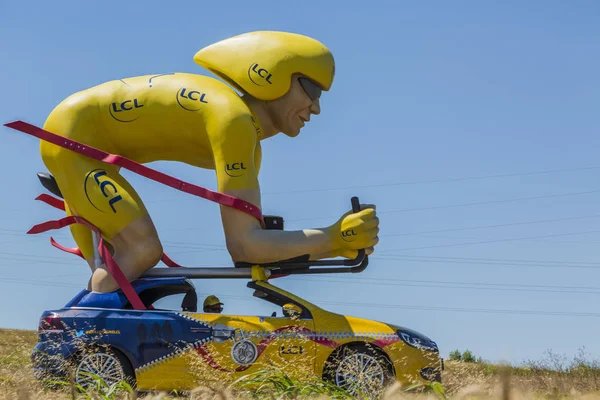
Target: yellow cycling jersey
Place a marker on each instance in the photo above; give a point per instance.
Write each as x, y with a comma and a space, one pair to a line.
180, 117
190, 118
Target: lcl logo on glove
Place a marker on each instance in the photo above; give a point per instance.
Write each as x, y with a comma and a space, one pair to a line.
348, 235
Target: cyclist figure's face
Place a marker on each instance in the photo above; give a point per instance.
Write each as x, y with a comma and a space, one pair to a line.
291, 111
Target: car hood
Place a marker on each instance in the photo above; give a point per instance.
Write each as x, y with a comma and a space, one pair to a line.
366, 328
363, 324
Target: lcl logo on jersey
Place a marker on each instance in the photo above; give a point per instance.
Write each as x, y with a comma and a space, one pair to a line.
349, 235
235, 170
98, 181
125, 111
259, 75
190, 100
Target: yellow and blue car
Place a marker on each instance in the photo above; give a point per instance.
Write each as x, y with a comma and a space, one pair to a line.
103, 335
158, 349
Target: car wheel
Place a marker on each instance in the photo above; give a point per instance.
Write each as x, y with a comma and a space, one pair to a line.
361, 370
109, 365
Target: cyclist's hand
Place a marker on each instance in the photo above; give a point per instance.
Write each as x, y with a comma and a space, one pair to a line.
355, 231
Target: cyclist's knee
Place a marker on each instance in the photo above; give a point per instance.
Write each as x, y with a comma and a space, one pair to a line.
133, 260
147, 253
138, 244
137, 254
135, 249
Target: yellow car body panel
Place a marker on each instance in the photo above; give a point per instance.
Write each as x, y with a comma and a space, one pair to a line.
243, 345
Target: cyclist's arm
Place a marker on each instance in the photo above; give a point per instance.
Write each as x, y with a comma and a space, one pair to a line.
247, 241
234, 145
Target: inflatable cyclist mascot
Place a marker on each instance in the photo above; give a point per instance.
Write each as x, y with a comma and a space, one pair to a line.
203, 122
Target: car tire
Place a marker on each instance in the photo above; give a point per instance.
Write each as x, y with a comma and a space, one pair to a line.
360, 368
105, 362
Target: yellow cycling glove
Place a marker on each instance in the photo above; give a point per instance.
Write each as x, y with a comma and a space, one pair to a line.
355, 231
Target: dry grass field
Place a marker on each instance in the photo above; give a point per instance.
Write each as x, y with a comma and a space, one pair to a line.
552, 377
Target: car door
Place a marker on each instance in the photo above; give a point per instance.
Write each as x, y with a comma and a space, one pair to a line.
242, 345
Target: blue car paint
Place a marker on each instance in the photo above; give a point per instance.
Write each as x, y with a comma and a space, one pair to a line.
141, 335
117, 299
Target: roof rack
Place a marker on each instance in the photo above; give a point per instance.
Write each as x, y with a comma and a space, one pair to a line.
282, 268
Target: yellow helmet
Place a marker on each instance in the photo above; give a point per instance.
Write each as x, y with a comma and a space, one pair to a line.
262, 63
212, 300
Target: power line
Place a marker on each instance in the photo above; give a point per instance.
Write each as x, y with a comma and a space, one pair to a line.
494, 226
569, 266
459, 205
454, 237
377, 305
201, 246
208, 247
432, 231
532, 239
39, 283
36, 259
216, 247
444, 309
490, 241
463, 285
429, 181
443, 180
35, 256
471, 310
509, 260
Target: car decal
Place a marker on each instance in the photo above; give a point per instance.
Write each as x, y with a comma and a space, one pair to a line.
317, 337
383, 338
163, 359
320, 337
272, 335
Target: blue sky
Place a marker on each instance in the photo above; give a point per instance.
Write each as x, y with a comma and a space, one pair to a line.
473, 127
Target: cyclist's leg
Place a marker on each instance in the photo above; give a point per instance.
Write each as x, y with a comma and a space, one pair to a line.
136, 249
97, 192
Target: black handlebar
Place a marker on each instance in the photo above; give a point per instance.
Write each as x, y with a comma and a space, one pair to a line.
355, 204
302, 265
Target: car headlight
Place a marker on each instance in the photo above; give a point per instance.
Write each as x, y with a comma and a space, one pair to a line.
415, 339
